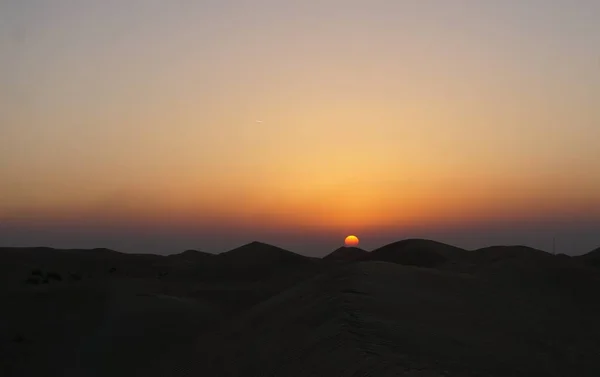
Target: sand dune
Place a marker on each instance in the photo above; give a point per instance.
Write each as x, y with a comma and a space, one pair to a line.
417, 252
260, 310
191, 255
383, 319
346, 254
592, 258
126, 313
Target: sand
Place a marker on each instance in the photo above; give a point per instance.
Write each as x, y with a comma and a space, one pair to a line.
262, 311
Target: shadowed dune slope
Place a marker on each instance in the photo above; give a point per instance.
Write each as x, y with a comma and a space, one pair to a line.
259, 310
346, 254
417, 252
432, 254
592, 258
255, 262
503, 253
94, 313
17, 263
383, 319
192, 255
258, 253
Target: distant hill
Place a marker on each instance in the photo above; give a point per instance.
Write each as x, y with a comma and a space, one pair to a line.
228, 282
258, 253
416, 252
92, 263
44, 249
251, 273
517, 257
508, 254
502, 252
346, 253
432, 254
191, 255
255, 262
591, 259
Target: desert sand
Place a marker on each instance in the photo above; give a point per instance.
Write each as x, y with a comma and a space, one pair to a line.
411, 308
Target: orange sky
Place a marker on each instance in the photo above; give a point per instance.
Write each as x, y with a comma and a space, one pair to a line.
332, 116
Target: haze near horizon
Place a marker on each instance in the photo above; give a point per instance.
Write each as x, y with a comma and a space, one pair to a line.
149, 126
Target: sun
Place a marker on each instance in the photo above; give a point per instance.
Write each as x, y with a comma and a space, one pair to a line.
351, 241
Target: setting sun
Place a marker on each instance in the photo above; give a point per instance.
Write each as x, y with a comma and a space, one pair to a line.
351, 241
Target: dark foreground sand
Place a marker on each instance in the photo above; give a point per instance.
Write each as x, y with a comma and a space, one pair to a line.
499, 312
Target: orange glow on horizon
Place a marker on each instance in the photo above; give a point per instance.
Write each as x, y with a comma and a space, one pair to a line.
355, 135
317, 202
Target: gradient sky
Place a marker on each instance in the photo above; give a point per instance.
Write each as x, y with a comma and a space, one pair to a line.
156, 126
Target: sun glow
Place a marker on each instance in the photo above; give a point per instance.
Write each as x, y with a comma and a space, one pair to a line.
351, 241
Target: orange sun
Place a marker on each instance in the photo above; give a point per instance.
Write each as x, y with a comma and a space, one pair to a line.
351, 241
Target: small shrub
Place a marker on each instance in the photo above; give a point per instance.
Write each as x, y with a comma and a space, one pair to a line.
36, 272
112, 270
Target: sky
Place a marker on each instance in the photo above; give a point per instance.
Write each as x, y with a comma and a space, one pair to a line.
155, 126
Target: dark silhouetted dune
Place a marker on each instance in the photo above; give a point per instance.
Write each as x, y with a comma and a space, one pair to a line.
259, 310
416, 252
515, 257
124, 314
496, 253
592, 258
258, 261
385, 319
192, 255
346, 253
506, 256
95, 263
258, 253
239, 278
